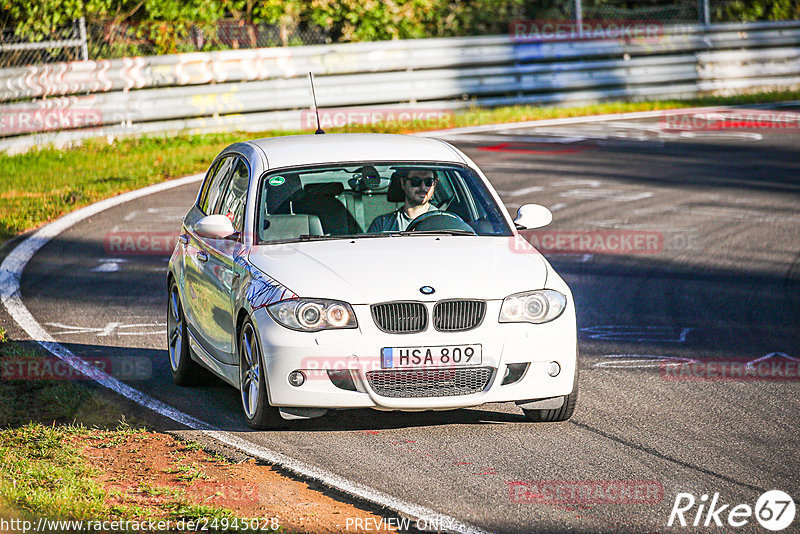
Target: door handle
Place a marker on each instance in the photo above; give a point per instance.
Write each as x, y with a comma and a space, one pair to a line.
184, 239
202, 256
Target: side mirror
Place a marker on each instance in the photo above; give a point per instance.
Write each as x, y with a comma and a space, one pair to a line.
214, 227
530, 216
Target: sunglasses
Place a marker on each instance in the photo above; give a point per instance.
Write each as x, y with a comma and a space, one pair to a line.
416, 182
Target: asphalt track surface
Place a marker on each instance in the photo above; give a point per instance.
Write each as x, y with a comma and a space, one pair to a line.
723, 284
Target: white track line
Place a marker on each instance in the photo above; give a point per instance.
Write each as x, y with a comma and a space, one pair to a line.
570, 120
10, 276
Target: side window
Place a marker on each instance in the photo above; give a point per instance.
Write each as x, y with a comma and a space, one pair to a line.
207, 184
233, 202
216, 185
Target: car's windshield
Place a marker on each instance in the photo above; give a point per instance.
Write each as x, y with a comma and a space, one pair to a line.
375, 199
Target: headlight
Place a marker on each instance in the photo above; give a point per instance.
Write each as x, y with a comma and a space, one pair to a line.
311, 315
536, 307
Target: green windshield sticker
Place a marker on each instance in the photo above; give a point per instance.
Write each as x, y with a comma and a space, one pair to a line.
277, 180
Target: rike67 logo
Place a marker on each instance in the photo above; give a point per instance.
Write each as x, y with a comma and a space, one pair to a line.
774, 510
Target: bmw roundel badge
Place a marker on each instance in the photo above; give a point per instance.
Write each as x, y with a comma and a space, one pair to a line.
427, 290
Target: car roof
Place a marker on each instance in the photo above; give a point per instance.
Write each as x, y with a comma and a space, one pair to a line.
292, 150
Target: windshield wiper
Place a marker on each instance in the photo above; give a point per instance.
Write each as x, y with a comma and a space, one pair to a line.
311, 237
304, 238
437, 232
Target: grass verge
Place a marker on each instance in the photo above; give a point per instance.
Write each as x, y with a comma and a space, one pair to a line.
50, 471
41, 185
68, 455
49, 431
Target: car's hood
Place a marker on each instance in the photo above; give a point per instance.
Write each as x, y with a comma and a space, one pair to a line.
369, 270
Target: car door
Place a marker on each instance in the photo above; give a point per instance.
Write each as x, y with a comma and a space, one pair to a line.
219, 271
198, 300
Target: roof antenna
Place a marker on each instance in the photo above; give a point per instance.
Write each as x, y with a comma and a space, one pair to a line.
314, 95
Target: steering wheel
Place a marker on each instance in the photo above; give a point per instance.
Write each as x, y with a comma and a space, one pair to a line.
439, 220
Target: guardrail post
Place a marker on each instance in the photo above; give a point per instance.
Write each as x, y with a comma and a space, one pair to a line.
705, 13
84, 40
579, 16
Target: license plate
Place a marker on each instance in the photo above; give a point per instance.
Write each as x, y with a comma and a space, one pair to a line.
442, 356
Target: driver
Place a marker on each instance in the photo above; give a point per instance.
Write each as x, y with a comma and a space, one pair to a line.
418, 186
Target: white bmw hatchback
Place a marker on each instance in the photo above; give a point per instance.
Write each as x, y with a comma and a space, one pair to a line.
331, 271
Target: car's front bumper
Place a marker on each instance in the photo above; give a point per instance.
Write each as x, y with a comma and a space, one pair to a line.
359, 351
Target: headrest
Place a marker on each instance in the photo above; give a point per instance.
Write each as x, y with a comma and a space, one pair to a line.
325, 189
395, 192
281, 191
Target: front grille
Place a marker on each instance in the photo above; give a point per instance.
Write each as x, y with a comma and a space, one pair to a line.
400, 317
458, 315
429, 382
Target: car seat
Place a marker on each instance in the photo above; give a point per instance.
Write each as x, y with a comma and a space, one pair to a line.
320, 200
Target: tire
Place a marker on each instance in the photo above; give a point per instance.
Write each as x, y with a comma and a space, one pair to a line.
258, 413
185, 371
557, 414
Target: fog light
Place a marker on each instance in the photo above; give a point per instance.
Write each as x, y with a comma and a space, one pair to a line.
297, 378
553, 368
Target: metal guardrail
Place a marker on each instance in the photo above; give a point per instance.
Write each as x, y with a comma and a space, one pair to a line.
266, 88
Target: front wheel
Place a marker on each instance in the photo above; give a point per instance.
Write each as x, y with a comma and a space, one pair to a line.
257, 411
185, 371
557, 414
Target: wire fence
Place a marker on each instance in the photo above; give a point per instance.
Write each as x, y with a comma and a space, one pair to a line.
120, 39
63, 43
670, 12
666, 12
114, 39
743, 10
